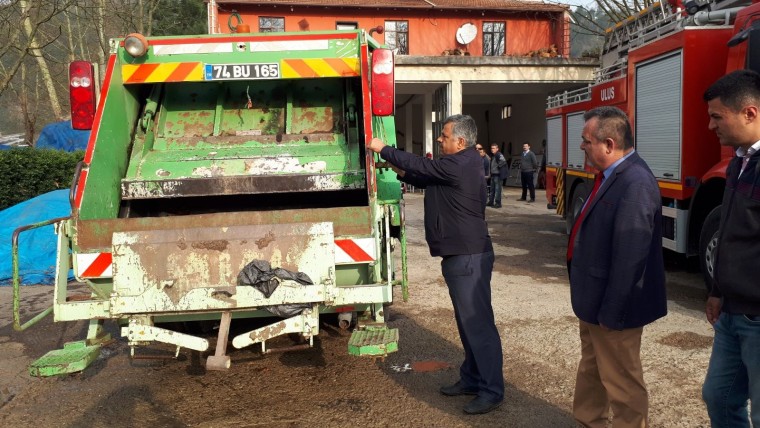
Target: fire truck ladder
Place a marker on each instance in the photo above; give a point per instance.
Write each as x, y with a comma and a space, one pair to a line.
648, 24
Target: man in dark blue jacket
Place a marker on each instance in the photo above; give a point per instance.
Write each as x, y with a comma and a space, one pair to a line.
456, 230
617, 275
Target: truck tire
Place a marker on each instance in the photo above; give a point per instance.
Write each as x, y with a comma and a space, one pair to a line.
708, 242
574, 206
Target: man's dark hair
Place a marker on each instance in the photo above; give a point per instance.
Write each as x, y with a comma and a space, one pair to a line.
613, 123
463, 126
736, 89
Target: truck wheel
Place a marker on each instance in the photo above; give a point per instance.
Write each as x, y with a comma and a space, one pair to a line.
575, 205
708, 242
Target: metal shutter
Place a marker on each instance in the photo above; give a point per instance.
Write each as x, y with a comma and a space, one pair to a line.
554, 141
575, 156
658, 115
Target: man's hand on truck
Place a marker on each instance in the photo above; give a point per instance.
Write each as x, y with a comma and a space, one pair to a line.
376, 145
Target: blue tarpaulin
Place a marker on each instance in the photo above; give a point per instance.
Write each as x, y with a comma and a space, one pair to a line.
61, 136
37, 247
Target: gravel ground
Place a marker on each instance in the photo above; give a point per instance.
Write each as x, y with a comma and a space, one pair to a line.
325, 386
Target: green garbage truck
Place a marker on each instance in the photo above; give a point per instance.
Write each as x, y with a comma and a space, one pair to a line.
226, 177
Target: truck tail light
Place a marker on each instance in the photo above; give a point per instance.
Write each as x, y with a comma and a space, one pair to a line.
383, 90
82, 94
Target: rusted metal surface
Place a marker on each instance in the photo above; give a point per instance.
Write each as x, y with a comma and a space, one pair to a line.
213, 186
243, 137
197, 269
288, 348
95, 235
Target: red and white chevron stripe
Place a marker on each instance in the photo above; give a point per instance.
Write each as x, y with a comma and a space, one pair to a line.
360, 250
94, 265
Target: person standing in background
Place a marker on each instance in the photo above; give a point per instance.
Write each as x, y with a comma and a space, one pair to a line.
499, 172
486, 164
733, 307
617, 274
528, 167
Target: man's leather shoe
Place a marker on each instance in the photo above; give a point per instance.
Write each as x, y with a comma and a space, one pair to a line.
520, 199
480, 405
532, 200
497, 206
457, 389
489, 204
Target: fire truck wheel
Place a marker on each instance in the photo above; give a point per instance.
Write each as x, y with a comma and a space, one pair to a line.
574, 206
708, 241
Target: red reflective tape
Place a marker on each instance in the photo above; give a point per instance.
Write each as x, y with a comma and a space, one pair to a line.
353, 250
250, 38
142, 73
98, 266
80, 189
99, 112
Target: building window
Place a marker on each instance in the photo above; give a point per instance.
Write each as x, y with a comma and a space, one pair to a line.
494, 36
271, 24
343, 25
397, 36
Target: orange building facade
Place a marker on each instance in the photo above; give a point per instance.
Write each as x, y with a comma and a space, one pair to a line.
477, 57
428, 32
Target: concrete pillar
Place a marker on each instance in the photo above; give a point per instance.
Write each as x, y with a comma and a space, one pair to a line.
408, 129
427, 116
455, 106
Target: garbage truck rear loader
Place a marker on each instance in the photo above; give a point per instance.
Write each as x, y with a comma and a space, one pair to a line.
226, 177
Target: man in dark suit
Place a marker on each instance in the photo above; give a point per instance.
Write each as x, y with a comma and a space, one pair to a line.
456, 231
617, 276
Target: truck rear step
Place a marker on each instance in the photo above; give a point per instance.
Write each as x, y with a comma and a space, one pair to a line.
74, 357
373, 342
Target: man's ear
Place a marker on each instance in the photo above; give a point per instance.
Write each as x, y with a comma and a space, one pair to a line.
609, 143
750, 113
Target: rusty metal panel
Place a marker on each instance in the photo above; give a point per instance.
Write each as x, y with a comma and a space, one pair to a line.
95, 235
237, 185
196, 269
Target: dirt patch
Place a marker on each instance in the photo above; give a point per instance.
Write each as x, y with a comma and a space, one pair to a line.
687, 340
323, 386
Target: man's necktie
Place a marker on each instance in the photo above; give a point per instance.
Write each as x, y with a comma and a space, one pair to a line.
579, 220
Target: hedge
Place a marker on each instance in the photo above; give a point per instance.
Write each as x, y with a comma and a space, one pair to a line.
26, 173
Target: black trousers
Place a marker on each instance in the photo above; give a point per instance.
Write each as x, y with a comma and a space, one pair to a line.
527, 184
468, 278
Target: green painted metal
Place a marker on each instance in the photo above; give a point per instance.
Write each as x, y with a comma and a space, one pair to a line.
373, 342
17, 325
74, 357
404, 267
353, 274
118, 118
334, 48
218, 144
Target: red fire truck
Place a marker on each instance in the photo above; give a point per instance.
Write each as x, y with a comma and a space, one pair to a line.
655, 66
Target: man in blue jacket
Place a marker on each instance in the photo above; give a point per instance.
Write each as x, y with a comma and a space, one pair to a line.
617, 275
456, 230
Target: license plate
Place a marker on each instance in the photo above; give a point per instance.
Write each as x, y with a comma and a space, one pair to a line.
242, 71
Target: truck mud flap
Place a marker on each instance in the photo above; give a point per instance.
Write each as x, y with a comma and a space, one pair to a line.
196, 269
